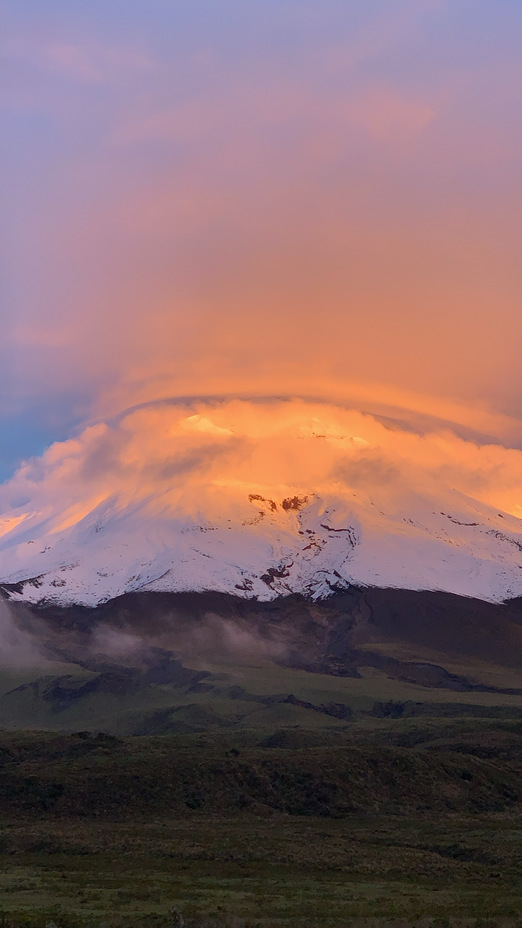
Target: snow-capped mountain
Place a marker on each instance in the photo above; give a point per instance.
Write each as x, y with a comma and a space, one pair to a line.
177, 502
266, 547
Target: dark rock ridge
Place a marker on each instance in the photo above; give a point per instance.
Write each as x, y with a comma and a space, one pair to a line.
349, 630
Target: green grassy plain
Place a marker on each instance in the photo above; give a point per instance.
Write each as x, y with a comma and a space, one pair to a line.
290, 871
235, 695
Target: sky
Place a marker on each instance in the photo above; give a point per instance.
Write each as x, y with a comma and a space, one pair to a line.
272, 198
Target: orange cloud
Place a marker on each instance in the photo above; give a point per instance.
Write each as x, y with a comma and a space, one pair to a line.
296, 445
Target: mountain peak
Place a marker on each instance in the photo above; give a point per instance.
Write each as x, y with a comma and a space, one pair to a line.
265, 545
260, 500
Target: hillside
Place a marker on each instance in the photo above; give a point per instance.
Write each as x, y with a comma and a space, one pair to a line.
153, 663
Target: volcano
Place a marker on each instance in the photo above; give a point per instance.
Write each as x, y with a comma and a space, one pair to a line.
260, 502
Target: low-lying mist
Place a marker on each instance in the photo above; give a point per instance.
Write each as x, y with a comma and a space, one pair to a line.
128, 630
19, 646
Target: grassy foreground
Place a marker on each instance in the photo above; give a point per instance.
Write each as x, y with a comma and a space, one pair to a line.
401, 825
249, 872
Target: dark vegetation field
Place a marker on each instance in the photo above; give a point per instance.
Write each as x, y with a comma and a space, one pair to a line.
408, 825
301, 767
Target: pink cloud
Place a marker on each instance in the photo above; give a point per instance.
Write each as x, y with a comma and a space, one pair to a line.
385, 113
89, 63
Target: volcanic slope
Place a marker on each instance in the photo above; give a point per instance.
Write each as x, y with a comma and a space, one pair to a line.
156, 663
262, 545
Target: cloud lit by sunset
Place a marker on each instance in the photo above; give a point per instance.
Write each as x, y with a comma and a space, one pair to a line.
163, 450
